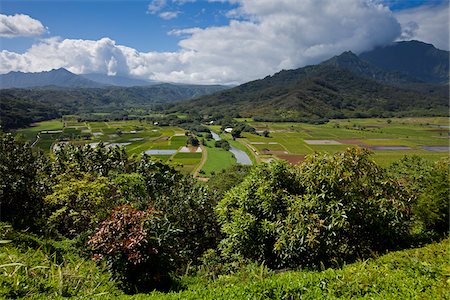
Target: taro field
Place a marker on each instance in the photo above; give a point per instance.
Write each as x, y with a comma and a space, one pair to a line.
388, 139
166, 143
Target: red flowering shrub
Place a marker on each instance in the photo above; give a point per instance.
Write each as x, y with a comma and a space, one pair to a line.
136, 245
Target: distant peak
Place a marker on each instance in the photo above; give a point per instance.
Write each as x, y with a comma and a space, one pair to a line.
61, 70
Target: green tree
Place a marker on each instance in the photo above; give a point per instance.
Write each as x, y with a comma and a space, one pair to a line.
21, 170
329, 209
79, 202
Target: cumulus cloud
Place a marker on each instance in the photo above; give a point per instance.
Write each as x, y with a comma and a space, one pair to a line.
428, 23
20, 25
267, 36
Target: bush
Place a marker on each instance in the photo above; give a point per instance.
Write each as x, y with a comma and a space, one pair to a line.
79, 202
137, 246
429, 184
222, 144
21, 194
327, 210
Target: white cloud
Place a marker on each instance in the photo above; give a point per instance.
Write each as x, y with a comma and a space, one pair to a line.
168, 15
20, 25
429, 23
156, 5
268, 36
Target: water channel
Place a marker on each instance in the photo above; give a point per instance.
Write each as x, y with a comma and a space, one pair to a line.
241, 157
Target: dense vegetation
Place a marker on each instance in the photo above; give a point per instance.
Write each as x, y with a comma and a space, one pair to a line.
21, 107
147, 224
317, 93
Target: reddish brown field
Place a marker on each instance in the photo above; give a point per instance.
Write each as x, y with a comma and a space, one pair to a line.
292, 159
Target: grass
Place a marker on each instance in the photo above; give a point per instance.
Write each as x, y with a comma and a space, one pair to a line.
218, 159
35, 273
421, 273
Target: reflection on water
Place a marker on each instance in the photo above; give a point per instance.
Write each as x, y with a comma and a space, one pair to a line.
241, 157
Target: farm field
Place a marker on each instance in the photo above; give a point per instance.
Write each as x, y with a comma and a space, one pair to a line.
389, 139
165, 143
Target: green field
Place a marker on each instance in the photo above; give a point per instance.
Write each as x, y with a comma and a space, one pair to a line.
295, 139
135, 136
217, 159
289, 141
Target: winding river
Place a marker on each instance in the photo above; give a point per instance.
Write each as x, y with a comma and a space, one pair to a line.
241, 157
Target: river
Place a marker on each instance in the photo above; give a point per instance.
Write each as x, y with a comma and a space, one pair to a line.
241, 157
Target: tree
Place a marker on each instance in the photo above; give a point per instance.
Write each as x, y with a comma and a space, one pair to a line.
328, 209
266, 133
192, 140
236, 133
79, 202
21, 170
137, 247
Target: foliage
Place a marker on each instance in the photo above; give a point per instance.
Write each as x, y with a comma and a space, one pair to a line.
222, 144
79, 202
223, 181
192, 140
327, 210
132, 188
99, 160
32, 267
409, 274
236, 133
20, 173
137, 246
433, 204
429, 183
188, 206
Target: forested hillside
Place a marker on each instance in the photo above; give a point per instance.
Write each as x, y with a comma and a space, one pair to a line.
21, 107
316, 93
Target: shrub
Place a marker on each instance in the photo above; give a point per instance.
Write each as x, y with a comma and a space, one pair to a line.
20, 172
78, 203
429, 184
188, 206
327, 210
137, 246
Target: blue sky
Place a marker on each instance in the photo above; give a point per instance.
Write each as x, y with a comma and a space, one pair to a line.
199, 41
127, 22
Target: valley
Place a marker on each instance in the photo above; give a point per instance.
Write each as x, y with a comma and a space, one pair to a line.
389, 139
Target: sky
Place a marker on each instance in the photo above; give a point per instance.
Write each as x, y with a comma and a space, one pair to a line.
205, 41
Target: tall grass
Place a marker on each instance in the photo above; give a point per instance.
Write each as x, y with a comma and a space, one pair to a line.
37, 274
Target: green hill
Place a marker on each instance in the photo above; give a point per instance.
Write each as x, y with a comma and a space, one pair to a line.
318, 92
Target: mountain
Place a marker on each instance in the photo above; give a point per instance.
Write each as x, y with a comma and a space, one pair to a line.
342, 87
351, 62
117, 80
59, 78
413, 58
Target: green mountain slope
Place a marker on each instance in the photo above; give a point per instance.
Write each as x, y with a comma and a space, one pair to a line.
318, 92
